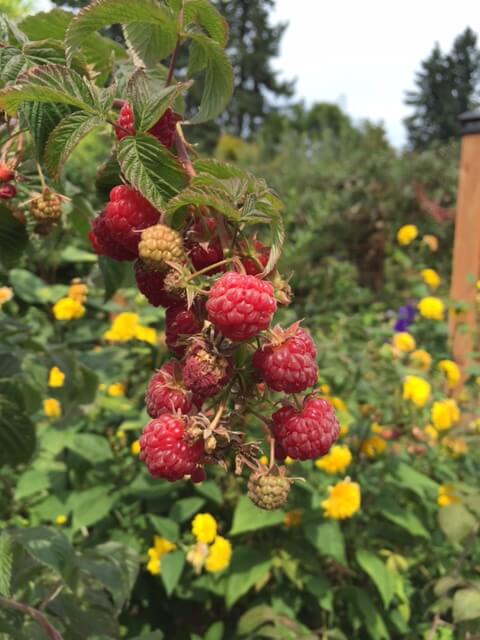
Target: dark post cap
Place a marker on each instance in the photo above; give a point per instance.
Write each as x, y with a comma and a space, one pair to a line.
470, 122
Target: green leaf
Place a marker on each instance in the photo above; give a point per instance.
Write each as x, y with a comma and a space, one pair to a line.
165, 527
49, 547
51, 83
218, 85
321, 589
456, 522
255, 618
13, 237
404, 517
466, 605
248, 517
215, 631
102, 13
114, 274
151, 168
17, 435
26, 285
90, 506
246, 569
327, 538
150, 43
204, 14
93, 448
367, 612
76, 255
41, 119
171, 569
210, 490
214, 198
6, 558
379, 573
31, 482
412, 479
66, 136
149, 100
184, 509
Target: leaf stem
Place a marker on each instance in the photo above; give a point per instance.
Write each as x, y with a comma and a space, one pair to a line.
173, 59
35, 614
209, 268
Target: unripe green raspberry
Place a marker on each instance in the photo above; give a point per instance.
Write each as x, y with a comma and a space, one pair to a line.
160, 245
268, 491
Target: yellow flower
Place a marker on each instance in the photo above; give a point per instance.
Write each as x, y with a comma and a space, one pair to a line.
343, 500
116, 390
56, 377
343, 430
68, 309
263, 460
376, 428
197, 555
403, 341
373, 446
78, 291
204, 527
339, 404
407, 234
417, 390
292, 519
451, 371
219, 555
135, 448
445, 413
421, 359
6, 294
456, 446
124, 328
431, 308
431, 433
161, 546
431, 242
325, 389
336, 460
146, 334
431, 278
289, 460
52, 408
61, 520
121, 436
446, 495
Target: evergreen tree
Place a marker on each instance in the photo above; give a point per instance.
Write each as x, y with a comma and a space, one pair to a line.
447, 85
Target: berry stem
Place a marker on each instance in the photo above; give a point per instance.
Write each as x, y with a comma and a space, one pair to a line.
209, 268
297, 401
181, 145
272, 452
218, 416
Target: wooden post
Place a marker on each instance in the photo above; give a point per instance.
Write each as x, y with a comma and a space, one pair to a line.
463, 328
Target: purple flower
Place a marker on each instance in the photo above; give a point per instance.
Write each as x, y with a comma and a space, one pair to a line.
406, 316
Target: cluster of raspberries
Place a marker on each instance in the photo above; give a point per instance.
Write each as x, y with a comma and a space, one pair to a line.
7, 176
221, 340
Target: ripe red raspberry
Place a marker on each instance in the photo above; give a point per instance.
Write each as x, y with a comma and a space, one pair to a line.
151, 284
163, 130
7, 191
166, 393
240, 306
306, 434
6, 173
126, 214
257, 259
287, 363
166, 452
103, 244
180, 323
205, 373
204, 248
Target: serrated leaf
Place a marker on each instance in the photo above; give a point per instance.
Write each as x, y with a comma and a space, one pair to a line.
51, 83
149, 100
41, 119
151, 168
13, 237
218, 200
379, 573
171, 569
17, 434
102, 13
6, 558
93, 448
150, 43
204, 14
218, 84
49, 547
65, 137
90, 506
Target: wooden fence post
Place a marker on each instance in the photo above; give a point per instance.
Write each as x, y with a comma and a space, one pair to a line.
463, 328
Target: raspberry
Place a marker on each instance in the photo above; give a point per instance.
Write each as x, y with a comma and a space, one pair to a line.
240, 306
126, 214
160, 245
204, 249
166, 393
6, 173
308, 433
205, 373
267, 491
47, 206
180, 321
7, 191
163, 130
151, 284
256, 260
164, 449
103, 244
287, 363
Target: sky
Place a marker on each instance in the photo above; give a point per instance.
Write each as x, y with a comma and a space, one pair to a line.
363, 55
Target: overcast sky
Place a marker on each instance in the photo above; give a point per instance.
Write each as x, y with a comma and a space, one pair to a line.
363, 55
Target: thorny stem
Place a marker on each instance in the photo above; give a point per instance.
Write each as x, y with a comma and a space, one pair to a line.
183, 156
173, 59
209, 268
35, 614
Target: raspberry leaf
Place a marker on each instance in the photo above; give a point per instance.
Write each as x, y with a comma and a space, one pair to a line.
204, 14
